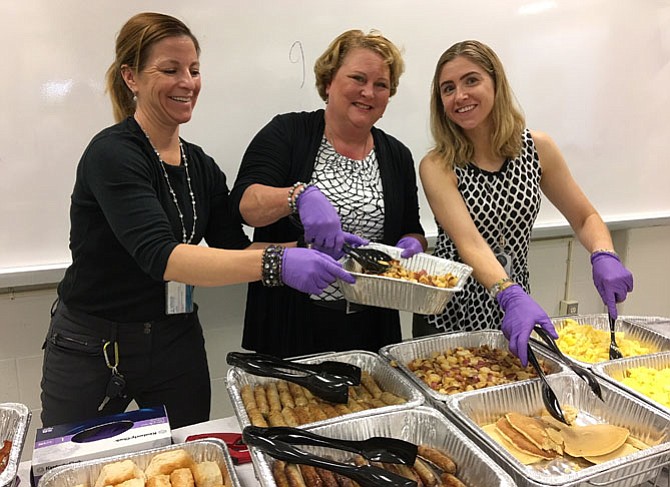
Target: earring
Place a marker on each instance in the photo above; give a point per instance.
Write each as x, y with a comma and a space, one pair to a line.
134, 98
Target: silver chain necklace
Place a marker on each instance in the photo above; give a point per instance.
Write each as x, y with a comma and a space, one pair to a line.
174, 195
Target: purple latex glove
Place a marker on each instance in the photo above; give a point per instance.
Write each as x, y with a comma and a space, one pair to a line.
410, 246
310, 271
522, 313
319, 219
613, 281
349, 238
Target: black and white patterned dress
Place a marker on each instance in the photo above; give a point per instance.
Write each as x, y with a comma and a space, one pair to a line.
503, 206
355, 189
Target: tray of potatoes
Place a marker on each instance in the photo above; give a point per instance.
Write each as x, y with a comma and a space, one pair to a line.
201, 463
449, 364
620, 441
585, 339
263, 401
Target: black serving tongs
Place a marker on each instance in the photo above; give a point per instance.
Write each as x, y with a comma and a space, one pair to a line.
328, 380
375, 449
548, 395
365, 475
615, 352
583, 373
373, 261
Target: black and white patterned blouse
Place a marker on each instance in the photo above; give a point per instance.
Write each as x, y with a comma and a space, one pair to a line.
503, 206
355, 189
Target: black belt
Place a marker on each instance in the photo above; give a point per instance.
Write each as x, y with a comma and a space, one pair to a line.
341, 305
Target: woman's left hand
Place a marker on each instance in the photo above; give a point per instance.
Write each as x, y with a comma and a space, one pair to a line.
612, 280
410, 246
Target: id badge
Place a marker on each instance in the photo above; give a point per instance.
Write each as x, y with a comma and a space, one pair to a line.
178, 298
505, 257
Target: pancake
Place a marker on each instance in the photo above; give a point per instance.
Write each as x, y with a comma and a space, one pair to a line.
622, 451
533, 430
525, 458
520, 441
593, 440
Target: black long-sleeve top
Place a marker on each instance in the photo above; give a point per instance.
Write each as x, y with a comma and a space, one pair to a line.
124, 223
281, 153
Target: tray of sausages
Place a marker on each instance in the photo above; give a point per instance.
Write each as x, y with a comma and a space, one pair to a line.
200, 463
445, 456
264, 401
14, 421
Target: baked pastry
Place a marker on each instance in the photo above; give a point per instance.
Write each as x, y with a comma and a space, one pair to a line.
207, 474
167, 462
118, 472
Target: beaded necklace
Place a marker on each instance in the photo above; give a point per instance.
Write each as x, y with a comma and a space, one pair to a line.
172, 192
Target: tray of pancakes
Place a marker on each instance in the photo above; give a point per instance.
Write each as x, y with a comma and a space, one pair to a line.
585, 339
620, 441
200, 463
412, 286
264, 402
445, 455
449, 364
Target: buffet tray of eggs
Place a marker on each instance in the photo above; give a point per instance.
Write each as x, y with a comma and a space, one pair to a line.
262, 401
200, 463
646, 377
422, 284
619, 440
445, 455
14, 422
445, 365
585, 339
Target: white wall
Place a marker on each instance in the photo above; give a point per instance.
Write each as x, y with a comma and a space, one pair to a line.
25, 315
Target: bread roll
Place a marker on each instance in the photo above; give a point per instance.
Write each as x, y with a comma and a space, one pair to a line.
167, 462
118, 472
134, 482
159, 481
207, 474
182, 477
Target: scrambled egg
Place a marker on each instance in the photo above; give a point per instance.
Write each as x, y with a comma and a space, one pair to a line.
653, 383
587, 344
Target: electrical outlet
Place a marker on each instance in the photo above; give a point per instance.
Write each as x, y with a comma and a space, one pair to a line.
568, 307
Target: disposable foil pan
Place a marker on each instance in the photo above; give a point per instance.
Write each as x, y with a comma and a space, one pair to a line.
619, 408
388, 292
615, 371
14, 422
632, 329
87, 472
421, 425
400, 354
386, 376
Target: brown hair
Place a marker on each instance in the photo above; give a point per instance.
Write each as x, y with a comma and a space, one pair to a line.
133, 44
331, 60
451, 144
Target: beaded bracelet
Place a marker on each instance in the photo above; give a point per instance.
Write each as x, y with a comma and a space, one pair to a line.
294, 193
271, 266
607, 251
498, 286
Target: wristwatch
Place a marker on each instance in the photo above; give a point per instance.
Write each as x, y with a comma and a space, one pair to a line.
503, 283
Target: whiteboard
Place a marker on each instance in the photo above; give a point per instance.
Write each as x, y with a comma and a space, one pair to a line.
594, 74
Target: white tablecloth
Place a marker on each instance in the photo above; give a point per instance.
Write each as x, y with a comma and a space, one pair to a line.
225, 425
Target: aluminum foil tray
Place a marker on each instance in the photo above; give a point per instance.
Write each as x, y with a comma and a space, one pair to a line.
619, 408
87, 472
615, 370
632, 329
14, 422
400, 354
386, 376
387, 292
421, 425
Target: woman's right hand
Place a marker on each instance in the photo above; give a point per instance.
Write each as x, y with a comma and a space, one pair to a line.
320, 220
310, 271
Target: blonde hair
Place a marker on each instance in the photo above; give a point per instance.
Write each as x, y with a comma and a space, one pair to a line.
133, 44
332, 58
451, 143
